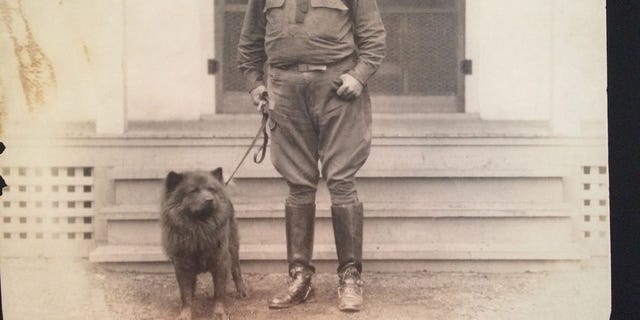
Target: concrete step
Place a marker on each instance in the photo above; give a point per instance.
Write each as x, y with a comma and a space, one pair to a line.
384, 124
370, 189
78, 247
386, 222
376, 256
159, 173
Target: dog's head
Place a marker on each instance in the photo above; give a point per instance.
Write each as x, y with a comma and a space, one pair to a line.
198, 193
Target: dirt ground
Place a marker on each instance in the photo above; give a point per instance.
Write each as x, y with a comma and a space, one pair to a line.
75, 289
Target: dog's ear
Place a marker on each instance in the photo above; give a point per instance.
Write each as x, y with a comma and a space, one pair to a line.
173, 179
217, 173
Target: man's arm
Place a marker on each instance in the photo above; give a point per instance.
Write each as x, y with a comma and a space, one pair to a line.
251, 53
370, 39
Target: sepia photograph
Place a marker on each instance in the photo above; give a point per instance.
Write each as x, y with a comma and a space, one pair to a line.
304, 159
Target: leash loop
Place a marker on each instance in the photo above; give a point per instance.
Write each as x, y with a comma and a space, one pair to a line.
259, 156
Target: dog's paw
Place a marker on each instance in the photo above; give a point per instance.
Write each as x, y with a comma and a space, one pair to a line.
219, 313
221, 316
185, 314
243, 291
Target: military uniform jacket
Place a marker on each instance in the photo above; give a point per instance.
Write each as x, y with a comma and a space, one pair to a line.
288, 32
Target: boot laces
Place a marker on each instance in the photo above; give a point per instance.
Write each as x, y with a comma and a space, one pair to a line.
296, 277
350, 283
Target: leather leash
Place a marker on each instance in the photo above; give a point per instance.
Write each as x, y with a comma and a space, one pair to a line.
258, 157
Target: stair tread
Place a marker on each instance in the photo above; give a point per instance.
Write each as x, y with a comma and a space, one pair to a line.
373, 210
398, 251
158, 173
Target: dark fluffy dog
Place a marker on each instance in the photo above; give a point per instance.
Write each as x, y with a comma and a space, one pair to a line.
199, 235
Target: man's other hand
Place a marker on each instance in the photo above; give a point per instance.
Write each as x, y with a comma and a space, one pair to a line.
257, 94
350, 89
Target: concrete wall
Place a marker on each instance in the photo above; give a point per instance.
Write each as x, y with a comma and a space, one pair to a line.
510, 45
579, 63
166, 49
541, 60
82, 60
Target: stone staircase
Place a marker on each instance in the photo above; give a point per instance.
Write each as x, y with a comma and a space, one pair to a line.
448, 220
421, 237
441, 192
464, 195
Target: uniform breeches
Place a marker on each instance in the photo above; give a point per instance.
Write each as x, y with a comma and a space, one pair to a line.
311, 125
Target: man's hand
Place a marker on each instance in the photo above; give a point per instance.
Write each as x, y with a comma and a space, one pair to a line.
350, 89
257, 94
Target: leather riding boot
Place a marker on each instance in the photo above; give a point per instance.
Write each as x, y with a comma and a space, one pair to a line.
299, 223
347, 229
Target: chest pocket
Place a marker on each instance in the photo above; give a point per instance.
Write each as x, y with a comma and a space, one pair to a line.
274, 12
328, 19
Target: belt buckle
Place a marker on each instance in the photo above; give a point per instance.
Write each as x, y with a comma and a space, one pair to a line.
303, 67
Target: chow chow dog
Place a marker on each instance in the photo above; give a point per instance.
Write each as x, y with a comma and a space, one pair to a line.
199, 235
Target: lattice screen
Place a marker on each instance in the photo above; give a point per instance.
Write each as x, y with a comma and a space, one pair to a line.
47, 211
594, 185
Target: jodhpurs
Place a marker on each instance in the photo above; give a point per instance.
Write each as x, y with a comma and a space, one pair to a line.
310, 124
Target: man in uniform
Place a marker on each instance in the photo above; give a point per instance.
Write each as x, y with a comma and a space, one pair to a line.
318, 56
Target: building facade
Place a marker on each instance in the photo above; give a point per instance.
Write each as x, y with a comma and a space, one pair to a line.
489, 145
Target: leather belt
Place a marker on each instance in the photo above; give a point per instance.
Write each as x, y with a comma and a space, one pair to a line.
303, 67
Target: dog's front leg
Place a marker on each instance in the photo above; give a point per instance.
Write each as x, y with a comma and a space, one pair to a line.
187, 284
220, 275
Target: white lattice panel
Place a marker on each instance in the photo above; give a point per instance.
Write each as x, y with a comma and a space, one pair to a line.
47, 211
594, 195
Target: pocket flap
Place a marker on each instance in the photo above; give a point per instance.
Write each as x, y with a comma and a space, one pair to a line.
269, 4
333, 4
